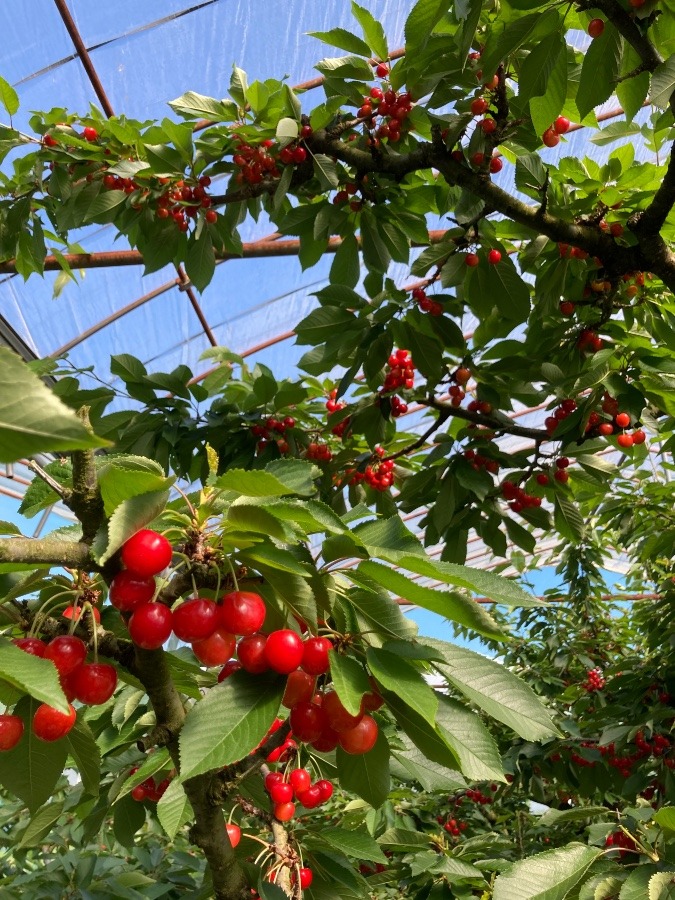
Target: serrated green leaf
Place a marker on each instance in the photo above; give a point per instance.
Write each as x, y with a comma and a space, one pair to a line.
546, 876
128, 819
40, 825
84, 752
174, 809
470, 740
357, 844
194, 106
663, 83
366, 774
538, 66
578, 814
599, 71
32, 675
349, 680
252, 483
402, 678
429, 774
388, 539
200, 262
343, 39
568, 519
129, 517
636, 886
420, 23
373, 31
122, 477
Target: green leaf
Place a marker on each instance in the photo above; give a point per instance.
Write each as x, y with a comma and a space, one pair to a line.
538, 66
450, 605
546, 876
287, 132
400, 677
128, 819
32, 418
229, 722
503, 284
662, 886
381, 614
276, 558
665, 818
9, 528
245, 515
429, 741
470, 740
504, 41
494, 689
238, 86
268, 891
174, 809
84, 751
357, 844
252, 483
152, 763
426, 772
40, 825
420, 23
367, 774
599, 71
31, 770
322, 324
123, 477
577, 814
546, 108
296, 474
129, 517
200, 262
636, 886
345, 40
349, 680
663, 83
388, 539
568, 519
345, 67
31, 675
196, 106
372, 31
8, 97
632, 92
402, 840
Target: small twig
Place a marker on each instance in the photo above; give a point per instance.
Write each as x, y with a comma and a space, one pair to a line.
443, 416
63, 492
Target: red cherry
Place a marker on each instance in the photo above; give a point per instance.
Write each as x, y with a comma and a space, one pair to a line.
284, 812
50, 725
494, 256
242, 612
94, 683
340, 720
311, 798
488, 126
361, 738
300, 779
622, 420
146, 553
138, 793
596, 27
315, 655
472, 260
271, 779
550, 138
216, 649
639, 437
281, 792
382, 70
496, 165
251, 653
299, 155
211, 216
150, 625
299, 689
567, 308
562, 462
195, 620
305, 877
478, 159
478, 106
625, 440
542, 479
49, 141
234, 833
561, 125
326, 789
128, 590
616, 229
328, 741
283, 651
34, 646
307, 721
11, 730
561, 475
90, 134
67, 652
606, 429
75, 612
230, 667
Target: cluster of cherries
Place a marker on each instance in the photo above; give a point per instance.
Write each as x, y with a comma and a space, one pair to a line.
551, 137
595, 680
400, 372
478, 461
622, 842
473, 259
461, 377
388, 105
335, 405
149, 789
452, 826
284, 790
518, 498
268, 430
426, 304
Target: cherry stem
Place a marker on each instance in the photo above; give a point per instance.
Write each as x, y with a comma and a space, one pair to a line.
42, 613
233, 573
94, 630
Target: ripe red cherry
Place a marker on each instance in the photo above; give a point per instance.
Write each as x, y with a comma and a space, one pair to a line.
305, 877
382, 70
339, 719
67, 652
49, 141
310, 798
299, 155
596, 27
146, 553
299, 689
150, 625
478, 159
94, 683
566, 308
195, 620
34, 646
606, 428
472, 260
542, 479
361, 738
300, 780
561, 125
315, 655
326, 789
550, 138
478, 106
494, 256
625, 440
488, 126
307, 721
561, 475
11, 730
90, 134
284, 812
639, 437
283, 651
281, 792
328, 741
622, 420
496, 165
242, 612
251, 653
75, 612
230, 667
234, 833
616, 229
50, 725
216, 649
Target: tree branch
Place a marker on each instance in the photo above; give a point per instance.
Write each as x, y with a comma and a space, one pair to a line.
506, 427
86, 501
63, 492
443, 416
47, 551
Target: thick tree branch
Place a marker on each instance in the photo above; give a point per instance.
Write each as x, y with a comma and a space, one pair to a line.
649, 222
86, 501
495, 424
46, 551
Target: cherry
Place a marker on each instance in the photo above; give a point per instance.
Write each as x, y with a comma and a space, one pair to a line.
271, 779
305, 877
550, 138
372, 701
281, 793
340, 720
561, 475
561, 125
478, 159
299, 155
49, 141
299, 689
90, 134
315, 655
382, 70
300, 780
242, 612
138, 793
496, 165
251, 653
284, 812
146, 553
542, 479
328, 741
307, 721
472, 260
230, 667
11, 730
625, 440
216, 649
606, 429
622, 420
479, 106
310, 798
596, 27
639, 437
94, 683
195, 620
50, 725
361, 738
326, 789
283, 651
150, 625
562, 462
31, 645
67, 652
234, 833
462, 375
616, 230
494, 256
567, 308
75, 612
